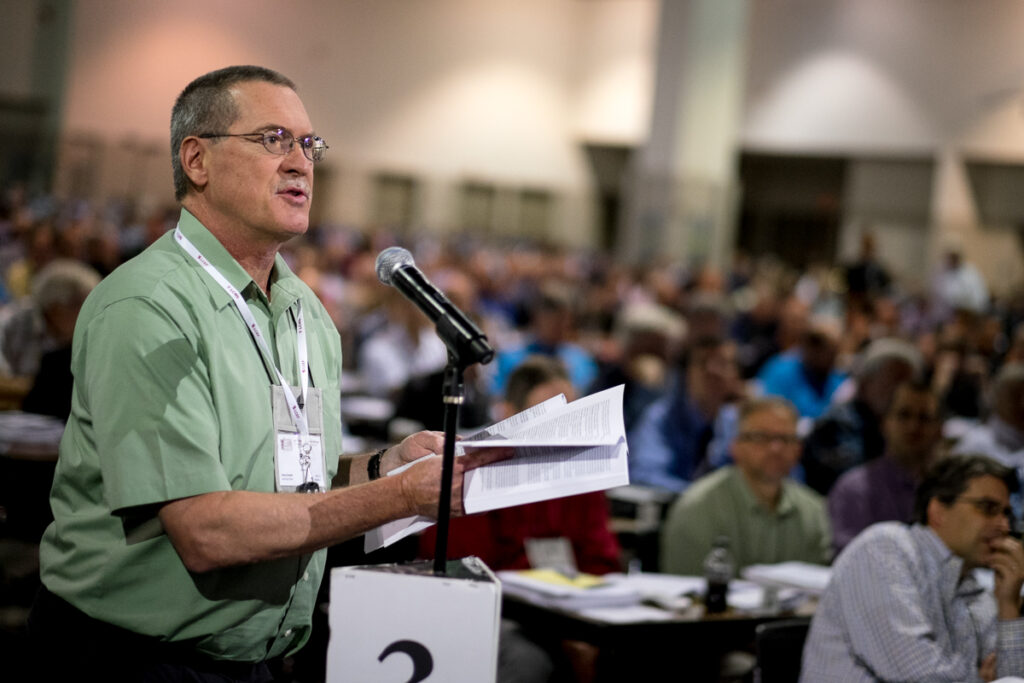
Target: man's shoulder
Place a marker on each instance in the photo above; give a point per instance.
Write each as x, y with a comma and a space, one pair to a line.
142, 276
885, 538
803, 495
854, 482
708, 488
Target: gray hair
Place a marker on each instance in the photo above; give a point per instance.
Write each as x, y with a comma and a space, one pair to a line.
881, 352
63, 282
206, 105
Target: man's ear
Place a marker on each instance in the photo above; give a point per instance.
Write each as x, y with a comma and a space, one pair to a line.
936, 513
192, 156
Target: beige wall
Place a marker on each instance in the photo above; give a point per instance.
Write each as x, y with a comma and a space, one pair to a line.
502, 91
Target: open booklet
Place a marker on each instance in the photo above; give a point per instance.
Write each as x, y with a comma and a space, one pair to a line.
561, 449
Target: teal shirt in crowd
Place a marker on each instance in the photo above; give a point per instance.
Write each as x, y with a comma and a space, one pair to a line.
722, 504
172, 399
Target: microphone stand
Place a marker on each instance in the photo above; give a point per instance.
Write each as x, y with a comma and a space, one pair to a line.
453, 395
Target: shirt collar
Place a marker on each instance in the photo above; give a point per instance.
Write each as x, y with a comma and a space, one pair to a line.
752, 503
1005, 434
940, 561
283, 282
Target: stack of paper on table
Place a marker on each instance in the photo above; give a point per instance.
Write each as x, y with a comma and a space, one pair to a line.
552, 589
810, 578
561, 449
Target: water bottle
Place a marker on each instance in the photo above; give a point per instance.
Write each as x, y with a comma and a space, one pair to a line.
719, 567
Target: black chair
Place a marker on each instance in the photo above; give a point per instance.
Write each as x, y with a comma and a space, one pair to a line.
779, 646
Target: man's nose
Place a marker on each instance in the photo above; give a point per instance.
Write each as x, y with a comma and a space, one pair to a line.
295, 160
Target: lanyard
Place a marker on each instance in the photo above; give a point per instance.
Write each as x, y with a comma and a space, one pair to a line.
297, 412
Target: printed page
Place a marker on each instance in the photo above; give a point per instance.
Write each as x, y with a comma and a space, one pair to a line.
580, 449
560, 450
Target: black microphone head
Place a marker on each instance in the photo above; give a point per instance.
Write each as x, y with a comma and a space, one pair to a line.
390, 260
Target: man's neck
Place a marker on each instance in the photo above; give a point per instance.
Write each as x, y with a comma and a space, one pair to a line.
254, 255
767, 493
912, 463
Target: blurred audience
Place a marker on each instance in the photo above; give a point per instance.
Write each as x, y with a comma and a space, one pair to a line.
849, 433
882, 490
767, 517
1001, 436
552, 332
807, 376
686, 433
45, 321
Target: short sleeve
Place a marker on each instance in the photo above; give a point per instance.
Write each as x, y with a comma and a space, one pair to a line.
150, 405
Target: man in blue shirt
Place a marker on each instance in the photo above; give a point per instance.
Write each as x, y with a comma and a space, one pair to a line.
688, 432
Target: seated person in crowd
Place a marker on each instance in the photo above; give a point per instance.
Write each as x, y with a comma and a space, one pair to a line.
882, 490
686, 432
552, 329
404, 348
648, 338
767, 517
904, 604
850, 433
501, 537
44, 324
1002, 434
807, 376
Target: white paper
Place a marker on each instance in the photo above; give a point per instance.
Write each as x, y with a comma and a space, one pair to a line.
561, 449
811, 578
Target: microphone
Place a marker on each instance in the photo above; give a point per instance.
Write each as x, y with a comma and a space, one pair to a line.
463, 338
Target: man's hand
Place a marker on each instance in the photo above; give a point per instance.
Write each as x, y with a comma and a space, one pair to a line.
1007, 561
412, 448
421, 484
987, 671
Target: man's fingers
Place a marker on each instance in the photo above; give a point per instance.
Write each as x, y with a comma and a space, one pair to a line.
478, 457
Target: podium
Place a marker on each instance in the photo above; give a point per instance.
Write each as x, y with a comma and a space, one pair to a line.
405, 624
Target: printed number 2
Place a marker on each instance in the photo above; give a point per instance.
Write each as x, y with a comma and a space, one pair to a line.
422, 662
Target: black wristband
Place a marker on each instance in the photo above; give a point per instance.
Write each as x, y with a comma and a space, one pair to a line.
373, 464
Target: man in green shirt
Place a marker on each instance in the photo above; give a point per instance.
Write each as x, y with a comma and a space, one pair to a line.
767, 517
207, 390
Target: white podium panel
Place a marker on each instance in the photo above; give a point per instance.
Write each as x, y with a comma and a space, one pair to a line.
403, 624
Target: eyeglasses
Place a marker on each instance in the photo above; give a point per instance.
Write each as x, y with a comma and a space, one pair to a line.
280, 141
988, 507
908, 415
769, 438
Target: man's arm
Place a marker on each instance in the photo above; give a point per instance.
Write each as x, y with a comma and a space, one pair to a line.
227, 528
1008, 565
882, 599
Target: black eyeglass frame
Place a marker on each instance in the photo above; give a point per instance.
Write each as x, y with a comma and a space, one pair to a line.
313, 147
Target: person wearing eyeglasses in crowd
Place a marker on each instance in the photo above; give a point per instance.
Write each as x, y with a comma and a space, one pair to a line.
199, 478
767, 517
904, 603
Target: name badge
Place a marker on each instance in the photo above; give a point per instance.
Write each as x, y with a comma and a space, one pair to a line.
298, 462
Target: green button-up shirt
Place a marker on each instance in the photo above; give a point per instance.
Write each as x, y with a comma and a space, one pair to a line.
722, 504
172, 399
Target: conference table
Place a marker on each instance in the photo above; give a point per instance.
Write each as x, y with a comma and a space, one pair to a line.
648, 643
28, 457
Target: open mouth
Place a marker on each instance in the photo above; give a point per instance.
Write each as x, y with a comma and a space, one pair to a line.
293, 192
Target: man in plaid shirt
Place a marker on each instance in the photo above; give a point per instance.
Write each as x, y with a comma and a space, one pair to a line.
904, 604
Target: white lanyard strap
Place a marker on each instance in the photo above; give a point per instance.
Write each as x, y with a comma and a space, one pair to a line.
297, 412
